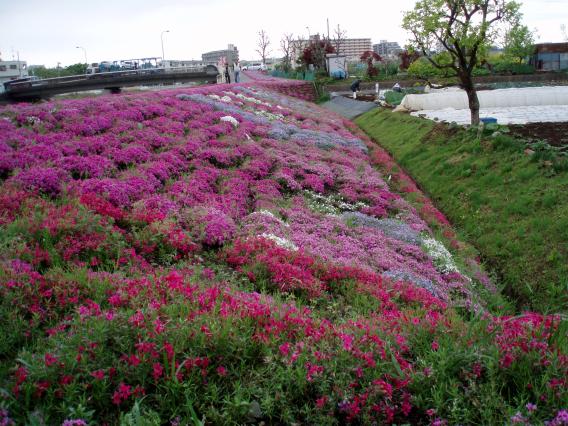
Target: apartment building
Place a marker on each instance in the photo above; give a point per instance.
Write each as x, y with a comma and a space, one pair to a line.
387, 48
231, 55
351, 48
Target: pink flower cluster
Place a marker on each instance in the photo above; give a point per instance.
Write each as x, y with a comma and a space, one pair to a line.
151, 241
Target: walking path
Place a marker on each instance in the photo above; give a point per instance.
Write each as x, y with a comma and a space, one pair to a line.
349, 108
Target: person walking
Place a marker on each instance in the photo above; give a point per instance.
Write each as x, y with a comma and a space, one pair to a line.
237, 69
227, 75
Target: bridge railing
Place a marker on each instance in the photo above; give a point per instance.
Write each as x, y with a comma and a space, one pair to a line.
111, 75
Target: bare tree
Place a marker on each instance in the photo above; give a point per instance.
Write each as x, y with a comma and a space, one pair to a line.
287, 45
262, 44
564, 33
338, 39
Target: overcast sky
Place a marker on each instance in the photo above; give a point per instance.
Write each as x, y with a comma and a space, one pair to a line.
47, 32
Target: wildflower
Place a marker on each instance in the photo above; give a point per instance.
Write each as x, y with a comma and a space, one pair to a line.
74, 422
561, 419
435, 346
122, 393
531, 407
98, 374
157, 370
518, 418
222, 371
66, 380
231, 120
49, 359
320, 402
284, 348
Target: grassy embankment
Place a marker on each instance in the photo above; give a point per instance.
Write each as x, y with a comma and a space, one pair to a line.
510, 205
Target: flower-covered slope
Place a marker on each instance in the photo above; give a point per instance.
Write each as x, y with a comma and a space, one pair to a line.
237, 248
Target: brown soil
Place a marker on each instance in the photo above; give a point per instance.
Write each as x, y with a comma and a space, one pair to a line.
361, 97
555, 134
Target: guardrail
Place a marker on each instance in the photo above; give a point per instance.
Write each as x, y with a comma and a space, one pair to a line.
114, 80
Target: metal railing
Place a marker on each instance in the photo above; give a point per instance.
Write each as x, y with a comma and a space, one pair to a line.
109, 76
294, 75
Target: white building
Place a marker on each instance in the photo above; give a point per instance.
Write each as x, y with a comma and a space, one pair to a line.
230, 55
11, 70
351, 48
387, 48
174, 63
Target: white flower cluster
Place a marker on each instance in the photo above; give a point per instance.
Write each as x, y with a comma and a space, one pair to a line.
253, 100
440, 255
280, 242
226, 99
216, 97
269, 115
330, 204
231, 120
33, 120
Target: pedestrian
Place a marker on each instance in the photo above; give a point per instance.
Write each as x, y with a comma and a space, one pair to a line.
227, 75
355, 87
237, 69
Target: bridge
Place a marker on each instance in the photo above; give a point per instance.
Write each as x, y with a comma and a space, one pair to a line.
113, 81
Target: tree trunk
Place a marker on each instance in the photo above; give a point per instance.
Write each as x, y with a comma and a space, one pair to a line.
468, 86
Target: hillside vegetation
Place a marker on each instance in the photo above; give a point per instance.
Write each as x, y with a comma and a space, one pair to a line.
509, 202
229, 255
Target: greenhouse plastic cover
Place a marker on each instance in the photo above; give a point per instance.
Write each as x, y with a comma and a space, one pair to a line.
506, 115
502, 98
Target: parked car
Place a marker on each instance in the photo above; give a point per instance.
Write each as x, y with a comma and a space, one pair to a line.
255, 67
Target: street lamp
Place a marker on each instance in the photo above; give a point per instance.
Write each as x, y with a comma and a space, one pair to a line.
309, 36
162, 39
85, 52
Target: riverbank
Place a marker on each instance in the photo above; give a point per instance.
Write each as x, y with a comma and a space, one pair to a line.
509, 202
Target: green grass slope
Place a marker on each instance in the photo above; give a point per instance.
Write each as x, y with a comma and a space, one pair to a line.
511, 205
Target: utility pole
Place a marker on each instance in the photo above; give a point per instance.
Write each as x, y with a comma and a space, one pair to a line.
162, 39
85, 53
328, 28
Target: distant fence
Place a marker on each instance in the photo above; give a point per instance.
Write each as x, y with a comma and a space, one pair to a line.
294, 75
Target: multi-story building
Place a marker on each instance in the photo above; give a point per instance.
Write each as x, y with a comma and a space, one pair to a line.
387, 48
231, 55
351, 48
11, 70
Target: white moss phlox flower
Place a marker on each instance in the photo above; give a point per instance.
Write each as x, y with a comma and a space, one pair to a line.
440, 255
231, 120
216, 97
280, 242
332, 204
226, 99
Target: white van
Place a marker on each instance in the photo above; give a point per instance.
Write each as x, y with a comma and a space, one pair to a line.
257, 66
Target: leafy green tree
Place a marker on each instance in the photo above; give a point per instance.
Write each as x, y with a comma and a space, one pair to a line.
464, 29
519, 42
76, 69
